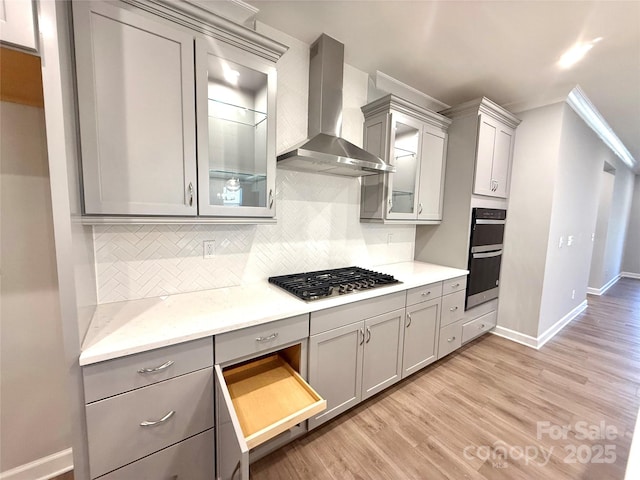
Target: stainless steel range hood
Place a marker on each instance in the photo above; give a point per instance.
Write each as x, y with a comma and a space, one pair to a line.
325, 151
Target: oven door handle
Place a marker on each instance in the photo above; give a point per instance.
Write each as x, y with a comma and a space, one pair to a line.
487, 254
481, 221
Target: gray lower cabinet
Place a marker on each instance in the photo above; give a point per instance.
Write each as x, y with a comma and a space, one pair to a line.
353, 362
335, 369
421, 336
191, 459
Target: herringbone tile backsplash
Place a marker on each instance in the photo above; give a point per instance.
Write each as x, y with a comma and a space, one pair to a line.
318, 227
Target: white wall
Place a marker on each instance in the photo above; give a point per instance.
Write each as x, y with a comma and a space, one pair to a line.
632, 244
556, 177
575, 204
535, 162
605, 195
318, 216
34, 411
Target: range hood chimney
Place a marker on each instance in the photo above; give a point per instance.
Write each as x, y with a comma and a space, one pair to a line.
325, 151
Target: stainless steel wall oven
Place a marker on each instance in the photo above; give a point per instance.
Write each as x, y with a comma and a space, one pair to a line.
485, 255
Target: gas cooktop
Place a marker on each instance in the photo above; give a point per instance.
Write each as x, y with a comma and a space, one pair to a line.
327, 283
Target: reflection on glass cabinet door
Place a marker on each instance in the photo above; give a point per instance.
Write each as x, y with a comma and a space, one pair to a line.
405, 159
233, 150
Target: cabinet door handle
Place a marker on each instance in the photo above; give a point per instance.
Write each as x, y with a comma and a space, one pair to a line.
266, 339
390, 205
408, 320
159, 368
419, 208
426, 294
481, 326
451, 339
453, 309
150, 423
271, 198
368, 334
190, 194
362, 333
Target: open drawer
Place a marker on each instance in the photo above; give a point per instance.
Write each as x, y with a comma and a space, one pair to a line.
257, 401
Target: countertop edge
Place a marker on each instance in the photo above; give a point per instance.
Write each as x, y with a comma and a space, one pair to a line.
96, 352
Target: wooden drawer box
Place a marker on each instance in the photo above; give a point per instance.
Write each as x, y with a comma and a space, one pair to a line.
191, 459
256, 401
452, 308
450, 339
253, 340
454, 285
480, 325
117, 428
424, 294
330, 318
105, 379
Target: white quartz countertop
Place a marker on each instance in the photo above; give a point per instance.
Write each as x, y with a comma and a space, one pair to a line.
124, 328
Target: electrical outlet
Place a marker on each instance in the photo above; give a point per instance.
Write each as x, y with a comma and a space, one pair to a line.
570, 239
573, 294
561, 242
209, 248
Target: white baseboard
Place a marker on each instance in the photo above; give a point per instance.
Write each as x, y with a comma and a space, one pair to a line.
560, 324
43, 468
630, 275
605, 287
514, 336
538, 342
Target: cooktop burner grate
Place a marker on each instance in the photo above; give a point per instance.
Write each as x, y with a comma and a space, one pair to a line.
326, 283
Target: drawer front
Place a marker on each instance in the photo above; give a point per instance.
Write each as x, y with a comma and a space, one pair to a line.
424, 294
105, 379
191, 459
477, 327
450, 339
116, 436
335, 317
452, 308
454, 285
253, 340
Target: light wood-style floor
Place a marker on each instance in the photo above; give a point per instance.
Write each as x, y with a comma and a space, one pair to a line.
451, 419
458, 417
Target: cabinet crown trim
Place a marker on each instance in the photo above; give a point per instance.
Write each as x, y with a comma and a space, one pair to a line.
486, 106
200, 20
392, 102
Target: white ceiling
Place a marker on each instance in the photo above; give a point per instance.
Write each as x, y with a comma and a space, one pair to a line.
505, 50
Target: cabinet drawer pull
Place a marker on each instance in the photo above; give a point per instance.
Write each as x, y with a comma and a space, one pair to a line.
368, 334
271, 198
451, 339
481, 326
408, 319
453, 309
362, 333
164, 366
455, 285
190, 194
266, 339
148, 423
426, 294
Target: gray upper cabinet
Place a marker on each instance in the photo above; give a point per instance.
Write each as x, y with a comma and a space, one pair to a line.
494, 141
150, 118
414, 140
137, 123
236, 98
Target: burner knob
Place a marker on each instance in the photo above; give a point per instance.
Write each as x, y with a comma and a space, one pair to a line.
342, 289
350, 287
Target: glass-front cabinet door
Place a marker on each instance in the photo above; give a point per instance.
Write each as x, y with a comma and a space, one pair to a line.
236, 132
405, 155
